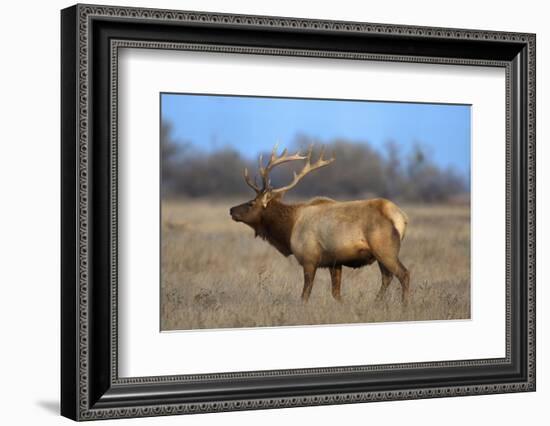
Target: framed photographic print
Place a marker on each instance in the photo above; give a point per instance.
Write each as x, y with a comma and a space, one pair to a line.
263, 212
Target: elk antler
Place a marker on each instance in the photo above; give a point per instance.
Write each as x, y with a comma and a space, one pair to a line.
251, 184
308, 168
274, 160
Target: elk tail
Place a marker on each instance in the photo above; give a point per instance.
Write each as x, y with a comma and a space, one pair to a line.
398, 217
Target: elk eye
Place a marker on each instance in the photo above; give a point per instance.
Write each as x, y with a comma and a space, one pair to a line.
250, 203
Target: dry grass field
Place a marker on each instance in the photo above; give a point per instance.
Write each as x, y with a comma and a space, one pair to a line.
215, 274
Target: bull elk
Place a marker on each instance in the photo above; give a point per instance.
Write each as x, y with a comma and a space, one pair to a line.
324, 233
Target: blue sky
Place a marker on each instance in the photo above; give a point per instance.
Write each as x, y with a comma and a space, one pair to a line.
254, 124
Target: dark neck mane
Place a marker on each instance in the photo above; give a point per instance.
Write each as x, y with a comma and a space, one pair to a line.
276, 225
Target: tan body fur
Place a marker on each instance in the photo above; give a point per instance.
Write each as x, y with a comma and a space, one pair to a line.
339, 233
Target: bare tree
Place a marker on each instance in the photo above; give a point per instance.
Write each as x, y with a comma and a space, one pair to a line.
361, 171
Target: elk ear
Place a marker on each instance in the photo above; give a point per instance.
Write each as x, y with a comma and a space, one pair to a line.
266, 198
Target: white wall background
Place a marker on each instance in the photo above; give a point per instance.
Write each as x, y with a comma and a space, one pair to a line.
29, 212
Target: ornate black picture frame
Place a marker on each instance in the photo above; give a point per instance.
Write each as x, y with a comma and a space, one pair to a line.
90, 385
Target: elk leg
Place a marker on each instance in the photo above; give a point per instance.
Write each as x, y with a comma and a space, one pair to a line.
309, 276
387, 276
336, 278
386, 248
404, 279
395, 266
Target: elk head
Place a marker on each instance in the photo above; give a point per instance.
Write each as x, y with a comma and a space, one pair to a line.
251, 211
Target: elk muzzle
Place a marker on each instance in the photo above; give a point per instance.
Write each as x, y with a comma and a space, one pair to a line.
238, 212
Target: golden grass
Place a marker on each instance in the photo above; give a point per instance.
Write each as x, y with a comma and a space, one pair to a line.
215, 274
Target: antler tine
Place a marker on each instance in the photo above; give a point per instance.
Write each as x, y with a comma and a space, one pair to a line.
251, 184
309, 152
276, 160
274, 150
308, 168
261, 161
283, 158
321, 153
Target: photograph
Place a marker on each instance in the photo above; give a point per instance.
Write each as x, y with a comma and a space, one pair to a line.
281, 211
